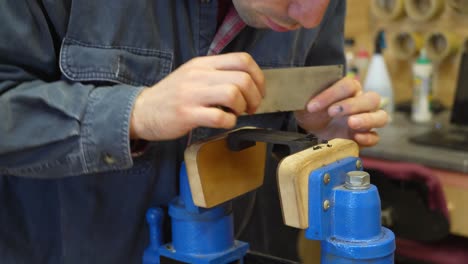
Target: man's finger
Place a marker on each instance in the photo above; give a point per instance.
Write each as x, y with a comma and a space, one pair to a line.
244, 83
227, 95
342, 89
237, 61
367, 139
365, 102
213, 117
368, 121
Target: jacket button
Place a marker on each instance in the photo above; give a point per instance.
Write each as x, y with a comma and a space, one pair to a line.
108, 159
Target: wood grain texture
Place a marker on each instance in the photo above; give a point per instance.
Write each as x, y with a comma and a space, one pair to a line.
293, 177
217, 174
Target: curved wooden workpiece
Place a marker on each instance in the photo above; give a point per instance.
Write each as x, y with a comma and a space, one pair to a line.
216, 174
293, 177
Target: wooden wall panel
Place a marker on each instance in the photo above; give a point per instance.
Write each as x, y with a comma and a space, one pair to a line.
362, 25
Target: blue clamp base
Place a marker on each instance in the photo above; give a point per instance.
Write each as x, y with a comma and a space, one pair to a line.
237, 252
199, 235
199, 238
347, 221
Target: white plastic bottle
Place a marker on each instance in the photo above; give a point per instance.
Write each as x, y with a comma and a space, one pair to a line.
377, 77
422, 89
361, 61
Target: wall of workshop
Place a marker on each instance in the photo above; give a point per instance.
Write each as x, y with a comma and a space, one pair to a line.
362, 24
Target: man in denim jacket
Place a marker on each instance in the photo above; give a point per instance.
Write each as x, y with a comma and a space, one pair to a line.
84, 82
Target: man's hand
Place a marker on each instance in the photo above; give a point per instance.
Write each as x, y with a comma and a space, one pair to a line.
344, 111
193, 95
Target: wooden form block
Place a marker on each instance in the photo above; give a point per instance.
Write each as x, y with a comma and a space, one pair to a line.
293, 177
216, 174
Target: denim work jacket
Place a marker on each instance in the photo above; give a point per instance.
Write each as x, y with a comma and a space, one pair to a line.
70, 191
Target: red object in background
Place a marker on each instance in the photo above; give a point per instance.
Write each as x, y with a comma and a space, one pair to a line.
452, 250
448, 250
411, 171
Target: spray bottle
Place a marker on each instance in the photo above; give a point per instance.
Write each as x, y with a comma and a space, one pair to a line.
378, 79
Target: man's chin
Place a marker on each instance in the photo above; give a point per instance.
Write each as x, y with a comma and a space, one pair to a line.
276, 27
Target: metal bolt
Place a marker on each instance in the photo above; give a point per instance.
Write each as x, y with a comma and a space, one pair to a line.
326, 205
170, 248
326, 178
358, 164
357, 180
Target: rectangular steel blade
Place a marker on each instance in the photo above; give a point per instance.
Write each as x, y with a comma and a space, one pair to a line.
290, 89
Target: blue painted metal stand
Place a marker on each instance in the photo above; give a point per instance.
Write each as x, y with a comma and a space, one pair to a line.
347, 221
199, 236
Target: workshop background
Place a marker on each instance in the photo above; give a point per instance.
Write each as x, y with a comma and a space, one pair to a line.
450, 19
423, 187
423, 184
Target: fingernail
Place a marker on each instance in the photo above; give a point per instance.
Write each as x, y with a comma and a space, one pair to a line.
334, 110
313, 107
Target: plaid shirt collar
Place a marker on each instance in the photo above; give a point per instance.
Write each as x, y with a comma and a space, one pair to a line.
229, 29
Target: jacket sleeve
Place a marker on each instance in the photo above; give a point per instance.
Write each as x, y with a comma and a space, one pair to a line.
50, 128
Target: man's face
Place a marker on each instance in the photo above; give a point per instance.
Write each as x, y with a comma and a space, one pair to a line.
281, 15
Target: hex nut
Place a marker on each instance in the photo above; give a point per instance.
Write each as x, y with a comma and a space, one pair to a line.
357, 180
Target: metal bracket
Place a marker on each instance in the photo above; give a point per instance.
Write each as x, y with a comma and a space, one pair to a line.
321, 184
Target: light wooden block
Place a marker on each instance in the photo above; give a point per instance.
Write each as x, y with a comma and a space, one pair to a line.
216, 174
293, 177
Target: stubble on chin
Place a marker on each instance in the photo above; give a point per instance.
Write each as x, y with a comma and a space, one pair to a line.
250, 17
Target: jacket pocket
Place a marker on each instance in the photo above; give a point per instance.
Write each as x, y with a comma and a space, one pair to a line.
118, 64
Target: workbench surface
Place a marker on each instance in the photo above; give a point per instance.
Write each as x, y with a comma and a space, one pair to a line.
395, 145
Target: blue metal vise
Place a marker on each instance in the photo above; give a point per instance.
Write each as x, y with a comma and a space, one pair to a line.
206, 236
345, 215
199, 236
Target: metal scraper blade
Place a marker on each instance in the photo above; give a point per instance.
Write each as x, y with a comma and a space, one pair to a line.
290, 89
